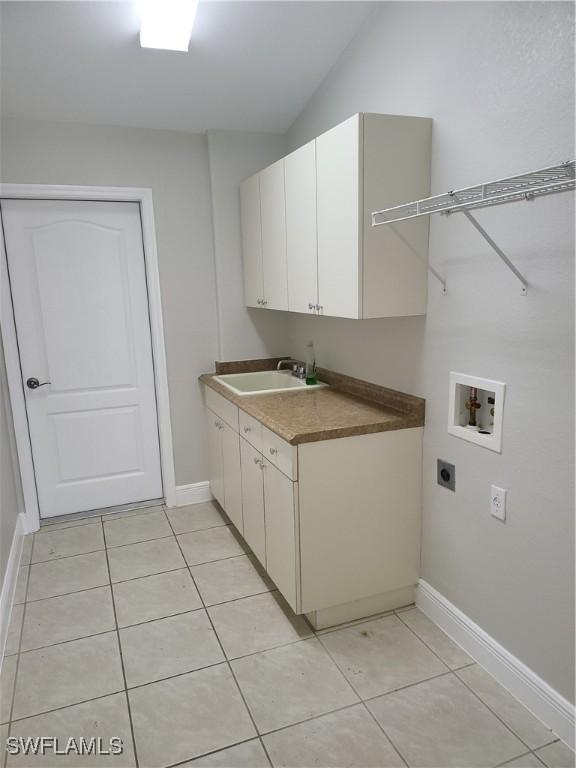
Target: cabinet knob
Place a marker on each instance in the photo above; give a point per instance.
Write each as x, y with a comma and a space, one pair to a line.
256, 460
310, 306
264, 302
273, 451
247, 429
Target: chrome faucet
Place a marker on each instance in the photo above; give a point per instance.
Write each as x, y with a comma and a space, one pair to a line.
297, 367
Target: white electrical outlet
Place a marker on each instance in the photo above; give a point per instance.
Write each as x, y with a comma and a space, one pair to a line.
498, 502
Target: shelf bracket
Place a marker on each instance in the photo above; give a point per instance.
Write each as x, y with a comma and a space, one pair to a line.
428, 266
495, 247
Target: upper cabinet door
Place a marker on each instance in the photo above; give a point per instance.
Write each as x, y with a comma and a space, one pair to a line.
252, 240
272, 206
301, 231
338, 165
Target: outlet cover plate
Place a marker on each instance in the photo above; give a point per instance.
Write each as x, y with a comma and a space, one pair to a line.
446, 475
498, 502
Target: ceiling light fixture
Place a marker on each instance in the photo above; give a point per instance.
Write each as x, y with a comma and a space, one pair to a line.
167, 24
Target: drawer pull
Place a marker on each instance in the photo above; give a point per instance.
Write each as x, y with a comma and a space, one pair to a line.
247, 429
273, 451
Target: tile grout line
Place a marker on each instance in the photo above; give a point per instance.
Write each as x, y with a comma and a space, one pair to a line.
369, 698
126, 544
84, 518
68, 706
318, 636
283, 728
381, 727
67, 557
463, 666
363, 703
455, 673
224, 653
66, 594
187, 760
54, 527
352, 624
127, 698
524, 754
18, 653
162, 618
504, 723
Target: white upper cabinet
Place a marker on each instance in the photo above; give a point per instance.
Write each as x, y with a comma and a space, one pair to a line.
252, 241
339, 256
318, 249
301, 229
273, 212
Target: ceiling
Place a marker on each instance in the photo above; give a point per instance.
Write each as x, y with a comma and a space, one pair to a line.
251, 65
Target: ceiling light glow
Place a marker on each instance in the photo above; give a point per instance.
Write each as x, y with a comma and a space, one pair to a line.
167, 24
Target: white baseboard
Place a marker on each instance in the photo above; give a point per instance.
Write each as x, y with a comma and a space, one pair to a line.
196, 493
9, 584
536, 695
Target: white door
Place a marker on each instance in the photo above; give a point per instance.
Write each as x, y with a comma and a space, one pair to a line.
279, 505
253, 500
338, 180
252, 241
78, 282
215, 456
232, 475
301, 232
272, 206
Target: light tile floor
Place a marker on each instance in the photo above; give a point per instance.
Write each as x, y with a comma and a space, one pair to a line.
158, 627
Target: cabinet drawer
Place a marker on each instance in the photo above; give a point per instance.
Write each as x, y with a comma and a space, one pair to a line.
251, 430
280, 453
222, 407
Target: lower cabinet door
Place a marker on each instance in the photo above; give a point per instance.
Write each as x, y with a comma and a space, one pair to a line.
253, 500
215, 429
232, 475
281, 550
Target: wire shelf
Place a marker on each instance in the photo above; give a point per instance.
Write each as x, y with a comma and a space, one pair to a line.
545, 181
525, 186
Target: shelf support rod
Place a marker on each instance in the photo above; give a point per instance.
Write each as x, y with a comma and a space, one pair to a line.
426, 263
476, 224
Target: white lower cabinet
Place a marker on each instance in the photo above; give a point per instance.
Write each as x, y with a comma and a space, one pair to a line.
225, 473
215, 456
280, 513
335, 523
231, 469
253, 500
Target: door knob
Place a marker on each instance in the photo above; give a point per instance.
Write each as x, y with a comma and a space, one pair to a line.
33, 383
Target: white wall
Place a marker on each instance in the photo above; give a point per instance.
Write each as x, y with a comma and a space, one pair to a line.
498, 80
243, 333
175, 165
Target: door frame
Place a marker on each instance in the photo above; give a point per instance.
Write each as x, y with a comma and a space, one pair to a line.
142, 196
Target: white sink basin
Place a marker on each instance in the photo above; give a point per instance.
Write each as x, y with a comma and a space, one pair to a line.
263, 382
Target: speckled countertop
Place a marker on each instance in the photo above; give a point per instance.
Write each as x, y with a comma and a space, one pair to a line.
347, 407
